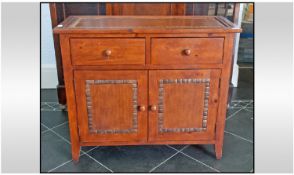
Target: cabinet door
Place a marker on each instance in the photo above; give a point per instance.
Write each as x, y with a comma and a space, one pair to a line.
183, 104
110, 105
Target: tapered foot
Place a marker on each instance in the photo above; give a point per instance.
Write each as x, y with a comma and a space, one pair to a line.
218, 151
75, 153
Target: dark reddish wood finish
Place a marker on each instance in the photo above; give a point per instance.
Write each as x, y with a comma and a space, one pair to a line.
186, 50
181, 104
158, 100
107, 51
113, 106
59, 11
139, 9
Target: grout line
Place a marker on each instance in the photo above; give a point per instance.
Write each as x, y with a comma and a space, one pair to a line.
242, 100
83, 152
178, 151
154, 168
48, 129
194, 158
201, 162
64, 163
56, 134
59, 125
236, 103
248, 109
173, 147
238, 136
99, 162
57, 110
91, 149
45, 131
44, 125
50, 106
235, 107
234, 113
59, 107
238, 111
54, 127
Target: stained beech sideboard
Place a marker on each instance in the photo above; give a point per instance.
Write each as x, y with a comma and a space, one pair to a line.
138, 80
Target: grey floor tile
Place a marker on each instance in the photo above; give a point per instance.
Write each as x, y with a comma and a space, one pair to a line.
237, 155
49, 95
131, 158
245, 85
54, 118
241, 124
85, 164
177, 147
251, 105
52, 106
246, 78
63, 130
43, 128
54, 151
249, 109
45, 107
244, 64
180, 163
242, 93
232, 111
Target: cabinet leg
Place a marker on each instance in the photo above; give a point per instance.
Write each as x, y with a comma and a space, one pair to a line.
218, 148
61, 94
75, 149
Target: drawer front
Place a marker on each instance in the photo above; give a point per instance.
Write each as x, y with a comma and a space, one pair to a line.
107, 51
186, 50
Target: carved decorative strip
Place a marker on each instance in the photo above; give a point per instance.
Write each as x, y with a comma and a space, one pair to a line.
134, 84
206, 83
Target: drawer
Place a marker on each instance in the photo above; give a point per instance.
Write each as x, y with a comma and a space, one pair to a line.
186, 50
107, 51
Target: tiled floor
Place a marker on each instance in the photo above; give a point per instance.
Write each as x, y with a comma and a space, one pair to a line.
237, 153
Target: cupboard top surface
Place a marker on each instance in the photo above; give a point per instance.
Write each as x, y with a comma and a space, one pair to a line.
145, 24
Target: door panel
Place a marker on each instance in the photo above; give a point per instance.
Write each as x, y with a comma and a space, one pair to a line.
109, 105
186, 102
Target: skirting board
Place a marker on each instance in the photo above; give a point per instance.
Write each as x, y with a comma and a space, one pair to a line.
48, 76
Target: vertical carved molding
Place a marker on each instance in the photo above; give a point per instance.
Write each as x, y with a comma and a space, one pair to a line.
161, 104
134, 84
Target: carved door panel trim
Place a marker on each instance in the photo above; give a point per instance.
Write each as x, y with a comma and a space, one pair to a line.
97, 88
134, 84
204, 83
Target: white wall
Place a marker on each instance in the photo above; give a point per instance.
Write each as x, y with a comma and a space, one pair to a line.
48, 66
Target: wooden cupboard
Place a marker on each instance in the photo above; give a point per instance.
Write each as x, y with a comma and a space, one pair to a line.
146, 80
60, 11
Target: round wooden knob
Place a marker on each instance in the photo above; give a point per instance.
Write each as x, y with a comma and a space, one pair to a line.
107, 52
142, 108
187, 51
153, 107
